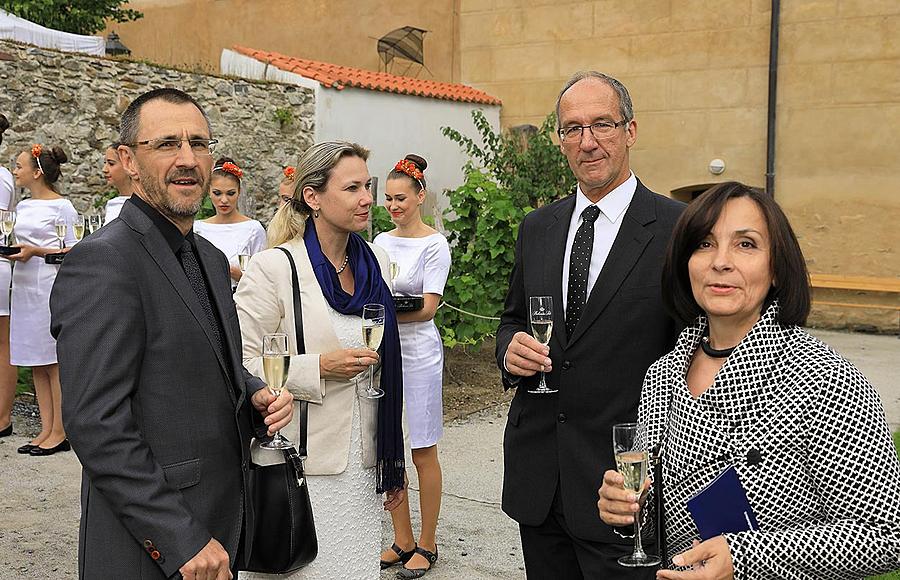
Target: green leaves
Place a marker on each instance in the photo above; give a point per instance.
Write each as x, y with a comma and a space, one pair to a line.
506, 177
78, 16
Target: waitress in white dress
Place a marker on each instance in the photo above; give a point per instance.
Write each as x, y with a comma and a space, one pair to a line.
422, 256
229, 230
115, 176
8, 374
31, 345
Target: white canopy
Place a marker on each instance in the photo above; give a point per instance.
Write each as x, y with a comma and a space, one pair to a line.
14, 28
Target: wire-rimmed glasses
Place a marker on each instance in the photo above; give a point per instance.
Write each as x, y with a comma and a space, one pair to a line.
169, 147
600, 130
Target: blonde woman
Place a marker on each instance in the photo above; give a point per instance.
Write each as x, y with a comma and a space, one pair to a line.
355, 443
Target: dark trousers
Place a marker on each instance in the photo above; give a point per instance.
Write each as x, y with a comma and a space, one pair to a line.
552, 553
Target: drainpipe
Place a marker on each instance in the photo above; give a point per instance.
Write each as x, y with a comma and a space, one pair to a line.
773, 82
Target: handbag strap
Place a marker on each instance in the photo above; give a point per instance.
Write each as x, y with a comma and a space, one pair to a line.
301, 349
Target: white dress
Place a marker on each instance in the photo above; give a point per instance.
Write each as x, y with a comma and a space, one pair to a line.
30, 343
248, 237
113, 207
346, 509
424, 265
6, 193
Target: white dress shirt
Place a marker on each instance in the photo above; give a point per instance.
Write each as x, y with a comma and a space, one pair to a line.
612, 207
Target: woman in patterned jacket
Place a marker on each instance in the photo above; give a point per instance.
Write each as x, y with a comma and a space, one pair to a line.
746, 387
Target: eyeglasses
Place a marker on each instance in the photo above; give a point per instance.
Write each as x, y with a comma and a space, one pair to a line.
170, 147
600, 130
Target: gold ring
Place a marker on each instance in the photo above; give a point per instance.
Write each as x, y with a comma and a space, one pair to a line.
358, 361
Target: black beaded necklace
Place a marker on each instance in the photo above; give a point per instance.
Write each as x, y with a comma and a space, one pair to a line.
708, 349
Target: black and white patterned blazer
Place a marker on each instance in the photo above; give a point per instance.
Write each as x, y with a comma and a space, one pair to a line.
807, 435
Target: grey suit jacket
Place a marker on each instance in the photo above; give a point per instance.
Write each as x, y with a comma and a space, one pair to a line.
159, 419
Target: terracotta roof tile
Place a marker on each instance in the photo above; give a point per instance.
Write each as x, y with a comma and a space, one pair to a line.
339, 77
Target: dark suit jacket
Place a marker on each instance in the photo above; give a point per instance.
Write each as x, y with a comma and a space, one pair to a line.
160, 420
565, 439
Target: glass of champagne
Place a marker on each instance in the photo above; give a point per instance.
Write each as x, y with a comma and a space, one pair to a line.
61, 227
78, 227
373, 331
7, 223
94, 222
243, 260
395, 271
541, 318
633, 461
276, 362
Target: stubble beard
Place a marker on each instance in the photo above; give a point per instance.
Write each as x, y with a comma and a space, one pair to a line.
165, 204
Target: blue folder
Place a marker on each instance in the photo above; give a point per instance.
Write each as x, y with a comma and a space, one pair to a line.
722, 507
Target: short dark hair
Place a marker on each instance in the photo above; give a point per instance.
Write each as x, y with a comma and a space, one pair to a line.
129, 125
785, 257
420, 164
49, 162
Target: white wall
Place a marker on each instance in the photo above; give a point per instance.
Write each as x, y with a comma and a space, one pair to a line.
393, 125
389, 124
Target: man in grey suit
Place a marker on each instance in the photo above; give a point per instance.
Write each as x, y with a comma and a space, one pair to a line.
156, 402
599, 255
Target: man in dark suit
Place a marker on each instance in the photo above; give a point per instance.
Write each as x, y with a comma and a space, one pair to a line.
156, 402
599, 255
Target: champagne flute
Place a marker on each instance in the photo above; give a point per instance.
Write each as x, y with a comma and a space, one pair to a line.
243, 260
94, 222
7, 223
395, 271
61, 227
541, 318
633, 461
373, 331
78, 227
276, 363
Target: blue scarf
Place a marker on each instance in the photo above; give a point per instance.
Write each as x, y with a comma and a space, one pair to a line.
369, 288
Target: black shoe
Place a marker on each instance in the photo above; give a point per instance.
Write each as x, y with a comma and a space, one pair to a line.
407, 573
26, 449
404, 556
38, 451
7, 432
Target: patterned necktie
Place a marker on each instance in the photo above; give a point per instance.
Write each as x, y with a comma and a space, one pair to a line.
579, 265
195, 277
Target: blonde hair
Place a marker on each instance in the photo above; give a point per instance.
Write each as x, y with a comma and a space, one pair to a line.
313, 170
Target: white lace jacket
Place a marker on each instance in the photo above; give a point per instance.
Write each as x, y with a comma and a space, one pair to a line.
807, 435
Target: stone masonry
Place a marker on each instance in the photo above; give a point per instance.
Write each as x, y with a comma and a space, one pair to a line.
71, 100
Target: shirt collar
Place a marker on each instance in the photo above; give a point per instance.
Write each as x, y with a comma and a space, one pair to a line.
169, 231
613, 204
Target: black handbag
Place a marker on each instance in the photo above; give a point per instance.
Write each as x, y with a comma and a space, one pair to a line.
284, 537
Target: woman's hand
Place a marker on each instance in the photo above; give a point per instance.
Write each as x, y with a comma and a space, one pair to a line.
346, 363
393, 498
617, 506
25, 253
235, 272
709, 560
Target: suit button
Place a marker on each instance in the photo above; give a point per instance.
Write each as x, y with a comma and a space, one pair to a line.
154, 554
148, 544
566, 365
561, 417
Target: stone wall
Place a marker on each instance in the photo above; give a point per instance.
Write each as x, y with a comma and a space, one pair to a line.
74, 101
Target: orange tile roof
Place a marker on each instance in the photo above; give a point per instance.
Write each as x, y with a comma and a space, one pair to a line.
338, 77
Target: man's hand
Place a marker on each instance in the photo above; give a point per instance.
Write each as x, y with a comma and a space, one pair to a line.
709, 560
617, 505
210, 563
525, 356
277, 412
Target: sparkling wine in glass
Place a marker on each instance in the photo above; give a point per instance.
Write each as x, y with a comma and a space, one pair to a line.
373, 331
395, 271
7, 223
276, 362
541, 318
243, 260
94, 222
633, 461
61, 227
78, 227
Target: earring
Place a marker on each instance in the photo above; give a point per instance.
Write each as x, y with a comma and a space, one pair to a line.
315, 213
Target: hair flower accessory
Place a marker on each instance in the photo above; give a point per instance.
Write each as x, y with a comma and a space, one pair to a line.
229, 167
36, 150
290, 172
409, 168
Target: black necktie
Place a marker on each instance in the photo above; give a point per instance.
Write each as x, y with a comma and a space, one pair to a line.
195, 277
579, 265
